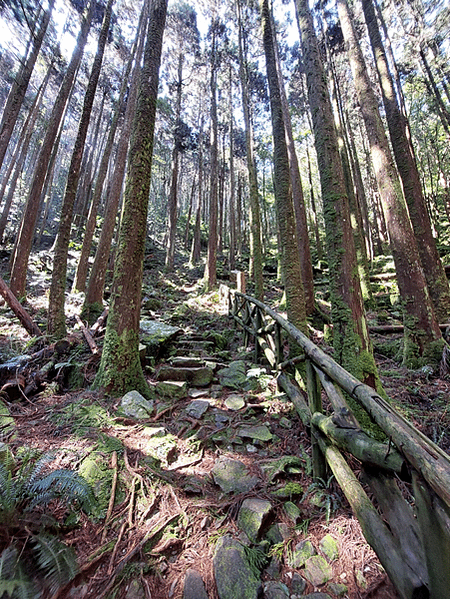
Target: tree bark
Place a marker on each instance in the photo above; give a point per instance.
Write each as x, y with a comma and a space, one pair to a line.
256, 265
79, 283
210, 277
93, 302
407, 168
350, 336
56, 322
29, 217
18, 310
423, 340
120, 368
20, 85
291, 271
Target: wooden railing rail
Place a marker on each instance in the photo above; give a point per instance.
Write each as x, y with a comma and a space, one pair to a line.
411, 538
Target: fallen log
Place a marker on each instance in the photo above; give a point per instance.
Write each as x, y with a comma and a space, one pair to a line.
356, 442
25, 319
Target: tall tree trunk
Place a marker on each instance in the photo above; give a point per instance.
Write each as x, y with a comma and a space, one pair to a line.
298, 199
256, 254
20, 153
210, 277
93, 302
196, 240
20, 85
56, 322
422, 337
173, 193
29, 217
350, 333
79, 283
232, 175
292, 277
407, 168
120, 367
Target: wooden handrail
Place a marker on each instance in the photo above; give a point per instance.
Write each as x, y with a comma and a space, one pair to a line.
407, 451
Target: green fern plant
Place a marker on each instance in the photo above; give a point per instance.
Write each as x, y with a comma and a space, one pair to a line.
28, 543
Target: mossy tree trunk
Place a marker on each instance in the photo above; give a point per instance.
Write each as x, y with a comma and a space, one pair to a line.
301, 223
407, 168
81, 274
291, 270
256, 253
120, 367
93, 302
30, 214
210, 277
350, 334
422, 339
56, 321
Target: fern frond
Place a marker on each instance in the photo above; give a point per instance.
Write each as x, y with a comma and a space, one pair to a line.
13, 580
56, 560
65, 484
38, 467
8, 494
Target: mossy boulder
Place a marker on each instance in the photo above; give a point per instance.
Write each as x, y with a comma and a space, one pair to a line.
95, 468
157, 335
234, 575
252, 517
134, 405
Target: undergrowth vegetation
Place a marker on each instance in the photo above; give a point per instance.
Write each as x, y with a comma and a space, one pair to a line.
33, 559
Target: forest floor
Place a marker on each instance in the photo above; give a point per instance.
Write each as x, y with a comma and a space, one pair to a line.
166, 520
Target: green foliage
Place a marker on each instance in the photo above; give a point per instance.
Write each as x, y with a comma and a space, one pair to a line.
27, 539
257, 558
321, 495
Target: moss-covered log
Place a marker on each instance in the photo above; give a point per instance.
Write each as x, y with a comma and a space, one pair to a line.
403, 575
355, 441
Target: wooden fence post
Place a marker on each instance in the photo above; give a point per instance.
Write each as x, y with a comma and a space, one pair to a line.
434, 523
319, 464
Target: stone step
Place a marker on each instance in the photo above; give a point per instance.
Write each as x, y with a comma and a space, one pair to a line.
199, 376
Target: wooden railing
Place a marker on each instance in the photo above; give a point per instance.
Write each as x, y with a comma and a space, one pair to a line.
411, 537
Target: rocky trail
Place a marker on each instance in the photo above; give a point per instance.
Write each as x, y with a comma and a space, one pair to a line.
203, 491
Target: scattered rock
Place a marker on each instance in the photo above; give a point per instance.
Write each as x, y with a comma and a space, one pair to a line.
232, 476
329, 548
273, 570
194, 587
316, 596
234, 376
302, 551
360, 579
235, 578
252, 517
337, 589
317, 570
198, 376
172, 389
292, 511
275, 590
187, 362
286, 464
134, 405
289, 490
298, 584
157, 335
278, 533
159, 444
258, 433
196, 393
235, 402
197, 408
